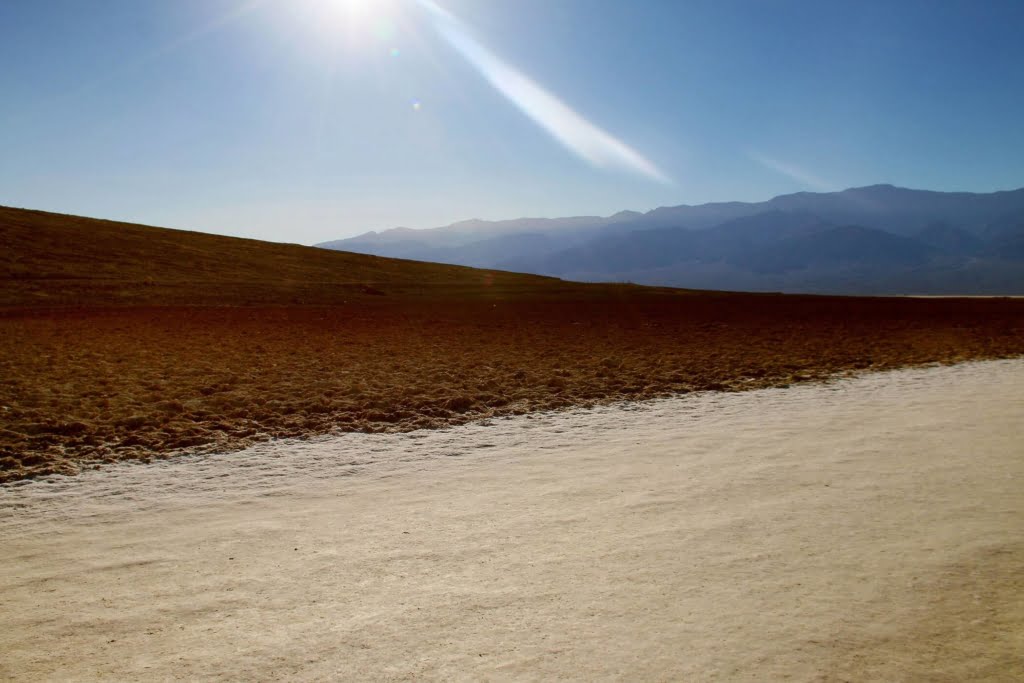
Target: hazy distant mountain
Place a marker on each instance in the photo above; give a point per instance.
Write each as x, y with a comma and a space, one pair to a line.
833, 248
951, 239
877, 239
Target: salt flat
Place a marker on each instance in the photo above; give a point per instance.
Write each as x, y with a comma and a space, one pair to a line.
868, 529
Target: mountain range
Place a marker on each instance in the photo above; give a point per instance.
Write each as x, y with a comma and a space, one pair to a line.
878, 239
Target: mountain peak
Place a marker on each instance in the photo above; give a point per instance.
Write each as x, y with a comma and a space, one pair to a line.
878, 187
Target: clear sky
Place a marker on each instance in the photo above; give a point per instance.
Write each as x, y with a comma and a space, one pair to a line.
309, 120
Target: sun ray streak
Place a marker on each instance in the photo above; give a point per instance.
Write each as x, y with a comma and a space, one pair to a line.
793, 172
572, 130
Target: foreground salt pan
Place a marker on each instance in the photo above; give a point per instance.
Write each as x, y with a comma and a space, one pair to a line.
872, 529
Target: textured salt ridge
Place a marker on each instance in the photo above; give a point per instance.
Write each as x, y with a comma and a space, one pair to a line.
309, 466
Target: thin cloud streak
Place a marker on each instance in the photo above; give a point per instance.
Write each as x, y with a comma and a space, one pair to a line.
572, 130
795, 172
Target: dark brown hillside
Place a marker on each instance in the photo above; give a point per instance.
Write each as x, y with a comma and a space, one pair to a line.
54, 259
126, 342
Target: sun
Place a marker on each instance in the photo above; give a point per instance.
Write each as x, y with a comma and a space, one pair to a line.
354, 7
355, 12
359, 22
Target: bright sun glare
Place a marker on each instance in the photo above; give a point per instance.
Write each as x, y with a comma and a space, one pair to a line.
360, 23
353, 11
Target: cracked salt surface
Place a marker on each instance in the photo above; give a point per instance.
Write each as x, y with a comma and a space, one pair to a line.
867, 529
308, 466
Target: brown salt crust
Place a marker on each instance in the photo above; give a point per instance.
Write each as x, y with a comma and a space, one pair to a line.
88, 385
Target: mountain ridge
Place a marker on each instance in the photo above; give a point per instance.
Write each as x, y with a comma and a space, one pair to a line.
979, 248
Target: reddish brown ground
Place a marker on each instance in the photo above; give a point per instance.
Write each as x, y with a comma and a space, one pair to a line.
87, 385
126, 341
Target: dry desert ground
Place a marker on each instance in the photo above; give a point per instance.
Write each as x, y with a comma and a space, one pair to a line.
295, 464
871, 529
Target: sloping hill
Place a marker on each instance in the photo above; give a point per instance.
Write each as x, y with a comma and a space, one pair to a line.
55, 259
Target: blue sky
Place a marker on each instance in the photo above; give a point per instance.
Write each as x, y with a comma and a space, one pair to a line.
308, 120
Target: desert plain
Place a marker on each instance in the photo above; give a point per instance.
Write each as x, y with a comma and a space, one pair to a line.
349, 467
129, 342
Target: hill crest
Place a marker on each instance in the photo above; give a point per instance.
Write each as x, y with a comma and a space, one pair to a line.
56, 259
